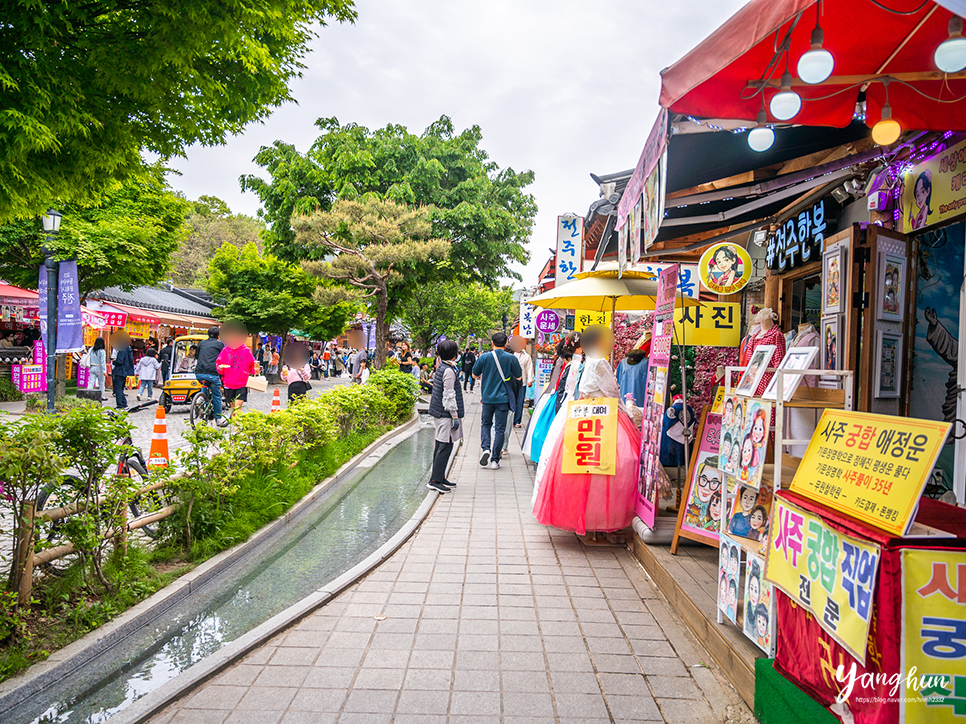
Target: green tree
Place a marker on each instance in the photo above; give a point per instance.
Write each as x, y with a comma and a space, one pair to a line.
211, 225
480, 207
454, 309
379, 246
86, 87
126, 240
269, 295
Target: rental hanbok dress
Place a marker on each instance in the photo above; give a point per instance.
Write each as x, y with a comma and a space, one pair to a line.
589, 501
556, 414
547, 397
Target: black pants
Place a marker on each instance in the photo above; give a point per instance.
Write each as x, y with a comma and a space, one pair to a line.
441, 455
468, 379
118, 382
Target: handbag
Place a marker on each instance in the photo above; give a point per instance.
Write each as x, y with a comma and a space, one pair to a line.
85, 360
257, 383
511, 396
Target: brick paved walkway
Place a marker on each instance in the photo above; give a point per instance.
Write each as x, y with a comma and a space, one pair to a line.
483, 616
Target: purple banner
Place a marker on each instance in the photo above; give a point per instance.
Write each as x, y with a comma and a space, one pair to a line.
70, 323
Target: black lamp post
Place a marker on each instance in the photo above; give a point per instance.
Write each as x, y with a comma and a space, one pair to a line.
51, 227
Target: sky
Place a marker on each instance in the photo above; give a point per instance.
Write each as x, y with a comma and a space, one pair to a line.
560, 87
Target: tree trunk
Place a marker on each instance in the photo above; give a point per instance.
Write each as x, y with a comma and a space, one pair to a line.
382, 328
61, 372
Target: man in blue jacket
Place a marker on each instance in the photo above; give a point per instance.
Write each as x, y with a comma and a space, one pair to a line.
495, 396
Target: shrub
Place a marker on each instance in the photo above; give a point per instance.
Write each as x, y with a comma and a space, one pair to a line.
401, 390
9, 393
355, 408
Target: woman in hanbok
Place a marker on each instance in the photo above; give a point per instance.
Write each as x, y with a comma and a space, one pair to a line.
590, 501
546, 407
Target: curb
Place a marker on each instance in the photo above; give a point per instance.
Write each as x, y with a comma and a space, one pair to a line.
67, 660
150, 704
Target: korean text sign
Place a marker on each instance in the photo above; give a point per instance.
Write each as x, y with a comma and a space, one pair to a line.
687, 276
584, 318
829, 573
934, 190
713, 324
570, 245
933, 643
590, 437
528, 317
871, 467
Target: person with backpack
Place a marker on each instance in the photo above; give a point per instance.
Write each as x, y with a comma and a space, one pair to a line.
496, 371
466, 364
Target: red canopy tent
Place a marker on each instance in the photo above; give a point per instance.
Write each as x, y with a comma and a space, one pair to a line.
716, 79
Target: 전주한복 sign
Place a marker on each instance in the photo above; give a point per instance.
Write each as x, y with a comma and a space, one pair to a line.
871, 467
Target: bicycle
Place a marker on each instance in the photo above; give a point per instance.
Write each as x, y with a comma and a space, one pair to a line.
202, 408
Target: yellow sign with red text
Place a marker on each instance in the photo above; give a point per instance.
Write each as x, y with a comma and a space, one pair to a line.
871, 467
590, 437
934, 190
138, 330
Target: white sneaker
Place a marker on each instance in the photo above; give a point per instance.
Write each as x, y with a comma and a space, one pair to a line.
495, 465
139, 398
484, 458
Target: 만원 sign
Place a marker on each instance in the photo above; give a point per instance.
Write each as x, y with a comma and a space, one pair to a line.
590, 437
871, 467
826, 572
712, 324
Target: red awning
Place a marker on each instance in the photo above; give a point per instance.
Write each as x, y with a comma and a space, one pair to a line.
9, 294
135, 314
712, 80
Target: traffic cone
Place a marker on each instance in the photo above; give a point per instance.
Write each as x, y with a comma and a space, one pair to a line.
276, 401
158, 457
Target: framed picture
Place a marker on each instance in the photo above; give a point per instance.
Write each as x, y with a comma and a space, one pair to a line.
759, 606
889, 369
889, 296
700, 517
833, 280
755, 370
830, 343
797, 358
729, 568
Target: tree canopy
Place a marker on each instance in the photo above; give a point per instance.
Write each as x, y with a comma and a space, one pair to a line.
379, 248
126, 240
210, 225
268, 294
480, 207
86, 87
452, 308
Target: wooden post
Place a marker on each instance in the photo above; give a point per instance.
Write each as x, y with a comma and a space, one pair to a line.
25, 553
120, 540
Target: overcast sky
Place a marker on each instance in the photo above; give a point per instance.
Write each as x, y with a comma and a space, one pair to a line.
561, 87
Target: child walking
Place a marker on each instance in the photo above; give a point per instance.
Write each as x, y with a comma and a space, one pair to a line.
147, 372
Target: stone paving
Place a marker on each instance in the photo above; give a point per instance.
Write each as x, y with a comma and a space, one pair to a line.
483, 616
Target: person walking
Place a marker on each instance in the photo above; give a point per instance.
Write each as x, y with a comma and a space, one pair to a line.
273, 368
519, 347
122, 368
206, 369
327, 361
360, 364
164, 357
147, 372
495, 371
446, 406
466, 364
98, 367
235, 364
406, 359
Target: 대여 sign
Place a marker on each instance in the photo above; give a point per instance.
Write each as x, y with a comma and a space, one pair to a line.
29, 378
798, 240
590, 437
584, 319
528, 315
934, 190
872, 467
713, 324
826, 572
933, 642
570, 246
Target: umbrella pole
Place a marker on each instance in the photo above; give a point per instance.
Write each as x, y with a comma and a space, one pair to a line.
683, 351
613, 324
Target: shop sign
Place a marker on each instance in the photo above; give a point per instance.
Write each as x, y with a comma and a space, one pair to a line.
570, 247
933, 643
934, 191
548, 322
528, 314
725, 268
651, 156
113, 319
798, 240
83, 376
29, 378
653, 413
584, 319
687, 276
829, 573
715, 324
138, 330
90, 336
93, 319
871, 467
544, 370
590, 437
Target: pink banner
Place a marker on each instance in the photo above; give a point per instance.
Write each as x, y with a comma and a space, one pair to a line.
650, 156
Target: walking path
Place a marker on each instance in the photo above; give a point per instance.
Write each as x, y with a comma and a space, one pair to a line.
483, 616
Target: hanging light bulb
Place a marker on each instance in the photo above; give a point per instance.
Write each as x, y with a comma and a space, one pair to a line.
950, 56
815, 65
761, 137
785, 104
887, 130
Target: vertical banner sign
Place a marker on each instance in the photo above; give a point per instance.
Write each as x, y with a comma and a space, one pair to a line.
570, 248
636, 232
590, 437
622, 236
828, 573
528, 314
70, 323
650, 159
933, 643
660, 359
42, 303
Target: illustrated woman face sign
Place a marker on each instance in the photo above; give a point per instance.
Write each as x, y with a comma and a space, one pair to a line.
758, 429
747, 453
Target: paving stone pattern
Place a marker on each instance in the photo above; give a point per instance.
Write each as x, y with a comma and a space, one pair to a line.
483, 616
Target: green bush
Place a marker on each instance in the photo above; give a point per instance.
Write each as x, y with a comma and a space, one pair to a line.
38, 403
8, 392
355, 407
401, 390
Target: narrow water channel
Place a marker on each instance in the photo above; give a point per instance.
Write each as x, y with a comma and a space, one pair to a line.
340, 530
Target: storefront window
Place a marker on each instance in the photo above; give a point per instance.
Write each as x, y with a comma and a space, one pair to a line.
806, 302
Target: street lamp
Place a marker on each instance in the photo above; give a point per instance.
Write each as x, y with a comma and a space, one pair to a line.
51, 227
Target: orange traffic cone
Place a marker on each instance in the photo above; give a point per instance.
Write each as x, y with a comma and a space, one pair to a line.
158, 457
277, 401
